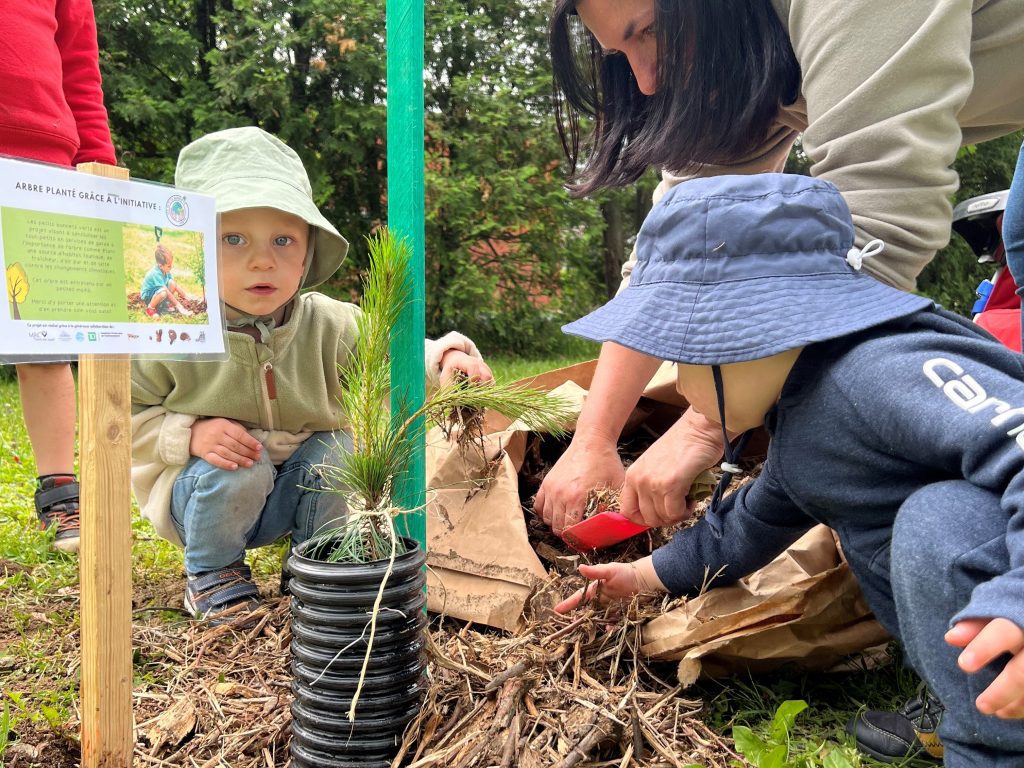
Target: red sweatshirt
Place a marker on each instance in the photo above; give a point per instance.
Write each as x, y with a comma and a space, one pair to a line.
51, 103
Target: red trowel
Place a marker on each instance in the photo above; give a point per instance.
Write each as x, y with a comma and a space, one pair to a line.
607, 527
600, 531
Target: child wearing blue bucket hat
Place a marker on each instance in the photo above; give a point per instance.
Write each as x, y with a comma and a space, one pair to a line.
896, 423
225, 454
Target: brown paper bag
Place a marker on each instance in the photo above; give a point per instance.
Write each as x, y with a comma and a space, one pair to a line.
803, 608
480, 565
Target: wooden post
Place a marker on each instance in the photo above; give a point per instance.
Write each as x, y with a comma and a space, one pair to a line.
105, 556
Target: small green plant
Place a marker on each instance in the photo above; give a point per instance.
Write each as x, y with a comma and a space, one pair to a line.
777, 748
383, 442
5, 731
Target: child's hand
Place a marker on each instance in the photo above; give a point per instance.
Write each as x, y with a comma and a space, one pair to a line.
617, 581
983, 641
476, 370
224, 443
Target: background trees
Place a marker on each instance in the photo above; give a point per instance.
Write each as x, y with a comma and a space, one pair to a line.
509, 256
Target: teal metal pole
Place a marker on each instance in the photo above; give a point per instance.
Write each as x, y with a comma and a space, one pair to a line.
405, 219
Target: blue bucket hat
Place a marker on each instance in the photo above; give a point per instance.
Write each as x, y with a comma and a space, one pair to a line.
737, 268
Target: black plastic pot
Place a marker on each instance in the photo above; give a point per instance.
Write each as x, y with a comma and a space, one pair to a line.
334, 663
331, 703
303, 756
331, 607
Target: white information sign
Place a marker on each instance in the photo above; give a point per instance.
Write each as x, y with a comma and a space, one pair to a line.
105, 267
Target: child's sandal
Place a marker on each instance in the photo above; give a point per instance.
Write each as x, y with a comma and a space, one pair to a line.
57, 506
222, 596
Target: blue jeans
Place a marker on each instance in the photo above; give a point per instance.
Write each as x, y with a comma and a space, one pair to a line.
1013, 228
948, 538
219, 514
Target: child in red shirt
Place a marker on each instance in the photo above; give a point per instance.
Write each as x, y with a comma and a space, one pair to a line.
52, 110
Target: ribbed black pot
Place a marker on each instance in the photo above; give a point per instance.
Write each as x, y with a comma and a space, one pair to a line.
331, 610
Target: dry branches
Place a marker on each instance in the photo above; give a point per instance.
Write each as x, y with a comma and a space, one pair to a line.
564, 691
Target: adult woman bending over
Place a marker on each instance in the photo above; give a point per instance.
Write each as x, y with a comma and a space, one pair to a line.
884, 95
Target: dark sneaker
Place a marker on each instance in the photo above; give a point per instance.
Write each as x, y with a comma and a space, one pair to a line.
286, 575
910, 732
222, 596
57, 507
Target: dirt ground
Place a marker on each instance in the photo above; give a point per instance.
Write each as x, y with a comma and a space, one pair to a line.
196, 306
221, 696
562, 691
198, 693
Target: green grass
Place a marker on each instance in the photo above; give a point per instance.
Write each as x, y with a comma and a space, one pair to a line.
39, 622
817, 737
35, 689
513, 369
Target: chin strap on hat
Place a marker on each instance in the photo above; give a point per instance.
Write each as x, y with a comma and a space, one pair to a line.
855, 256
730, 467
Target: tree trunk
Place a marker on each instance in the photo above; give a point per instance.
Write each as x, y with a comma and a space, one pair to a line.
206, 33
641, 204
614, 245
302, 50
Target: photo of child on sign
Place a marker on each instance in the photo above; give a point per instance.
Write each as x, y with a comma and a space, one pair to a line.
165, 276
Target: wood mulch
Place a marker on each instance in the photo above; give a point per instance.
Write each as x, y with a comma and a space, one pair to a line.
563, 691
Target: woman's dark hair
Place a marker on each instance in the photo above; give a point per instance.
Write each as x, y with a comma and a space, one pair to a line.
724, 68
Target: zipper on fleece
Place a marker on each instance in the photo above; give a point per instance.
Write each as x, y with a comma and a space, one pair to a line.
269, 392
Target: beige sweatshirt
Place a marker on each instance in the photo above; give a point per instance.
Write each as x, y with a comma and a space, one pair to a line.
282, 392
891, 89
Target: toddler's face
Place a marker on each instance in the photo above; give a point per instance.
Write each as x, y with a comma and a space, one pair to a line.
166, 266
751, 388
262, 258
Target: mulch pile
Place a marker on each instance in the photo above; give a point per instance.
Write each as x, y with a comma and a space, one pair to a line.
562, 691
223, 692
567, 691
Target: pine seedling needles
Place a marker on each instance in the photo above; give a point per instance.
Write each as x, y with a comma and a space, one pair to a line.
382, 445
382, 442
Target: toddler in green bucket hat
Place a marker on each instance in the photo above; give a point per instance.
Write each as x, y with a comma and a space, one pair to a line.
224, 453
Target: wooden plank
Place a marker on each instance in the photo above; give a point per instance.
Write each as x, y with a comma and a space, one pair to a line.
105, 556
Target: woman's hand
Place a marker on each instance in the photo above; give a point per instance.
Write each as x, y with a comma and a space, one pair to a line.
614, 581
592, 460
983, 641
224, 443
474, 369
656, 484
586, 465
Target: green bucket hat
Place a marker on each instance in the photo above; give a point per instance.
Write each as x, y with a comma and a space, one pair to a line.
250, 168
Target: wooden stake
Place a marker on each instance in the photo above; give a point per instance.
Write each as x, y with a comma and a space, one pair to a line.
404, 27
105, 556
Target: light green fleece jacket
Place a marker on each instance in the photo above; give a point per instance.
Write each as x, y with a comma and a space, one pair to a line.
891, 89
282, 392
